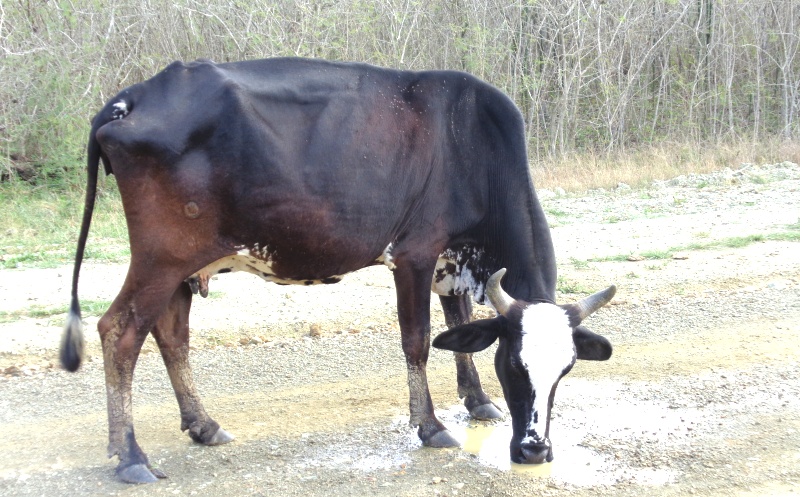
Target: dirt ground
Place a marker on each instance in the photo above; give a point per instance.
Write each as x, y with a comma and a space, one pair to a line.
701, 396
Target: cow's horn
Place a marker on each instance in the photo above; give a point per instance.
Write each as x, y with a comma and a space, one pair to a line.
497, 296
595, 301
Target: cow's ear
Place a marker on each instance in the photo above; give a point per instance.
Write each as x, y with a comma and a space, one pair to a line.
471, 337
590, 346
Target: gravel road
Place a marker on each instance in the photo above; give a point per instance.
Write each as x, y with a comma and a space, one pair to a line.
701, 396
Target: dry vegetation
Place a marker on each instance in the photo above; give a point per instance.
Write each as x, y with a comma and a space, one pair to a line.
612, 90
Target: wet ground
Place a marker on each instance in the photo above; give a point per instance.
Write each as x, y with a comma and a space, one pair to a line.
701, 396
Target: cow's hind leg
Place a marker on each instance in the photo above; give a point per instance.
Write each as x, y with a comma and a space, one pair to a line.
172, 335
413, 310
457, 311
123, 329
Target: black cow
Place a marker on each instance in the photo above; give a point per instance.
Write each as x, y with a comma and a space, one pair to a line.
301, 171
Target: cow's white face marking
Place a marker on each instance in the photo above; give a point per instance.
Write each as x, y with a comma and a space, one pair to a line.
547, 350
461, 272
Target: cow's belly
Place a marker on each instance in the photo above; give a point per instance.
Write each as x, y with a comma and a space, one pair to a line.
458, 272
260, 263
245, 261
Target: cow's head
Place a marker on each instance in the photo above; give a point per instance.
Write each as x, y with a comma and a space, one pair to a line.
539, 343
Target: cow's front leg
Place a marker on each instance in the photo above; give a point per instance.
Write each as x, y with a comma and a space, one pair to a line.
413, 311
172, 335
122, 339
458, 311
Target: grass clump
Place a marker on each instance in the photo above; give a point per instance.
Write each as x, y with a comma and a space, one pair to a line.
39, 226
566, 286
731, 242
88, 308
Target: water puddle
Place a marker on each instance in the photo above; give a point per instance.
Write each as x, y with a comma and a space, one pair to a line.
603, 448
489, 441
619, 423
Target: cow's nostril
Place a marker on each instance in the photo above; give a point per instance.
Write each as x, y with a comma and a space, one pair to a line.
535, 453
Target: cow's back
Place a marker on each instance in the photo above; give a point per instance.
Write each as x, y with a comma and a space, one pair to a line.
312, 157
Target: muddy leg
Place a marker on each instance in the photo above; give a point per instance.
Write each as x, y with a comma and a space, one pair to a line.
413, 311
122, 332
457, 311
172, 335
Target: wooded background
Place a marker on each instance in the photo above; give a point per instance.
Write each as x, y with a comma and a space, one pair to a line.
588, 75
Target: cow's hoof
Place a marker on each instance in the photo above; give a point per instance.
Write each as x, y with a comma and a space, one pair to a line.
220, 437
486, 412
208, 433
442, 439
139, 473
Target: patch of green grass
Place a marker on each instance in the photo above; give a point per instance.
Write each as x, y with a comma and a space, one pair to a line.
36, 259
732, 242
735, 242
94, 307
39, 226
655, 255
555, 212
88, 308
566, 286
579, 264
610, 258
653, 211
784, 237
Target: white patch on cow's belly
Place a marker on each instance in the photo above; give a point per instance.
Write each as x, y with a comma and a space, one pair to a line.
386, 257
259, 262
547, 349
461, 272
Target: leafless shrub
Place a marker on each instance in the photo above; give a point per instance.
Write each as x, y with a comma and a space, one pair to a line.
594, 76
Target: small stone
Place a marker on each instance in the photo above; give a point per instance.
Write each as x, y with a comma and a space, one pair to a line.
315, 330
256, 341
244, 341
680, 256
436, 480
12, 371
635, 258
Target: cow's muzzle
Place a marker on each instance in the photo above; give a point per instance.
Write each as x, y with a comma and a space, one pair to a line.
538, 452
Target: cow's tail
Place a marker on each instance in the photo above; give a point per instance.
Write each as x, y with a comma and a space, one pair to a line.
72, 345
